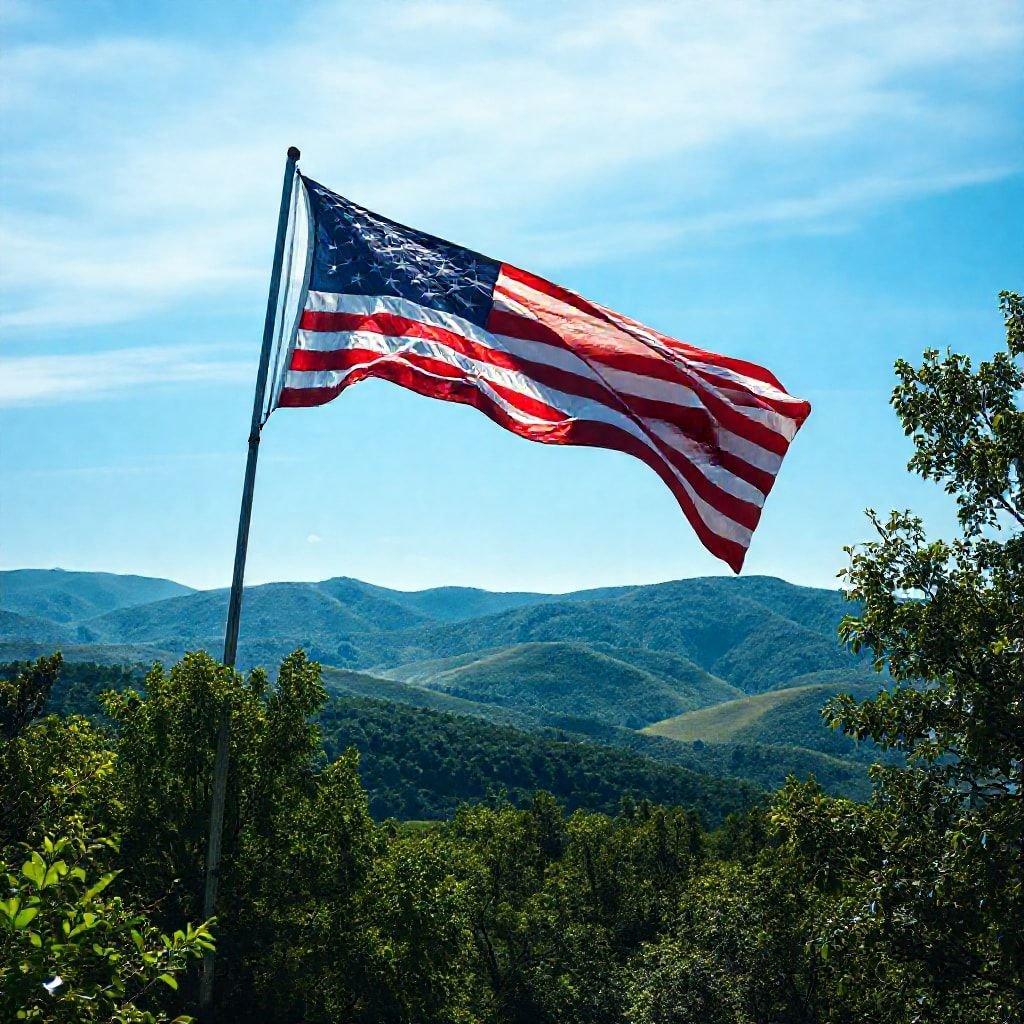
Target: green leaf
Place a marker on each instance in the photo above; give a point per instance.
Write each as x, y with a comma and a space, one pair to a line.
169, 980
25, 917
96, 889
54, 873
34, 870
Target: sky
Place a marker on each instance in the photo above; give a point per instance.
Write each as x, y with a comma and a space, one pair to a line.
819, 188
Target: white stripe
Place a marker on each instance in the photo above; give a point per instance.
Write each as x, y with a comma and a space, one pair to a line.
482, 374
390, 346
367, 305
654, 388
759, 387
699, 456
774, 421
753, 454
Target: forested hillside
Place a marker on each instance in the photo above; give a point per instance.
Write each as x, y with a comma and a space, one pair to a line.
422, 764
74, 596
617, 659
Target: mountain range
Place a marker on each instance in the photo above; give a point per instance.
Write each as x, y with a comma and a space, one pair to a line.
706, 673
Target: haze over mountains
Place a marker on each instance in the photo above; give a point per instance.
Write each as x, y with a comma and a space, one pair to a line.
690, 671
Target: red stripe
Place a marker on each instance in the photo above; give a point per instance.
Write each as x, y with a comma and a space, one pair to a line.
393, 326
692, 352
744, 395
570, 298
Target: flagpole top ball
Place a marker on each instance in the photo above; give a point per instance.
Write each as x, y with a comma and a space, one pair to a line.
293, 153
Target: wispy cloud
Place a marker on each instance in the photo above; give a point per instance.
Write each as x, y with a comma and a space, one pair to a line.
34, 380
596, 129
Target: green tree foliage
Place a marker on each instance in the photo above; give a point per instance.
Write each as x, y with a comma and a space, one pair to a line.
422, 764
70, 951
930, 875
52, 769
74, 945
298, 838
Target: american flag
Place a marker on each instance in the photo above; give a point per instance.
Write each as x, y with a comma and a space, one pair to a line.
384, 300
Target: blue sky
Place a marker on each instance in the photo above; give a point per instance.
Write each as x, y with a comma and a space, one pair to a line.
819, 188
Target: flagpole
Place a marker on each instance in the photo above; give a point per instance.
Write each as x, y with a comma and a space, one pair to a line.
220, 764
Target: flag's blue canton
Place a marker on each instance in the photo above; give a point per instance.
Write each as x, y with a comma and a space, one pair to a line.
357, 252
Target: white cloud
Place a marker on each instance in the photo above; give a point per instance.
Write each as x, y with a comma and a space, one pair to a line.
34, 380
547, 135
314, 538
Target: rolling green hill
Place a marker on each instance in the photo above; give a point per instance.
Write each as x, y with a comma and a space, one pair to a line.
708, 621
340, 681
335, 622
72, 596
790, 716
455, 604
755, 633
42, 631
610, 685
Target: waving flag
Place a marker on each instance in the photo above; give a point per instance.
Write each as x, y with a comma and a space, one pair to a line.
387, 301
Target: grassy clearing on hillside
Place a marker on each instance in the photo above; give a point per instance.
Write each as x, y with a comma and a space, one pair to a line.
778, 716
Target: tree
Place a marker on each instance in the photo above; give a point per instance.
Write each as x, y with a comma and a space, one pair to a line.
938, 876
52, 769
75, 945
671, 984
71, 951
298, 838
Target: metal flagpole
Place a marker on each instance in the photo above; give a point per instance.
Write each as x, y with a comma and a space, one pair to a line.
220, 764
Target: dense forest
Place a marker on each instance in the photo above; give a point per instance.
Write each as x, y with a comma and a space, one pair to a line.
633, 891
423, 764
